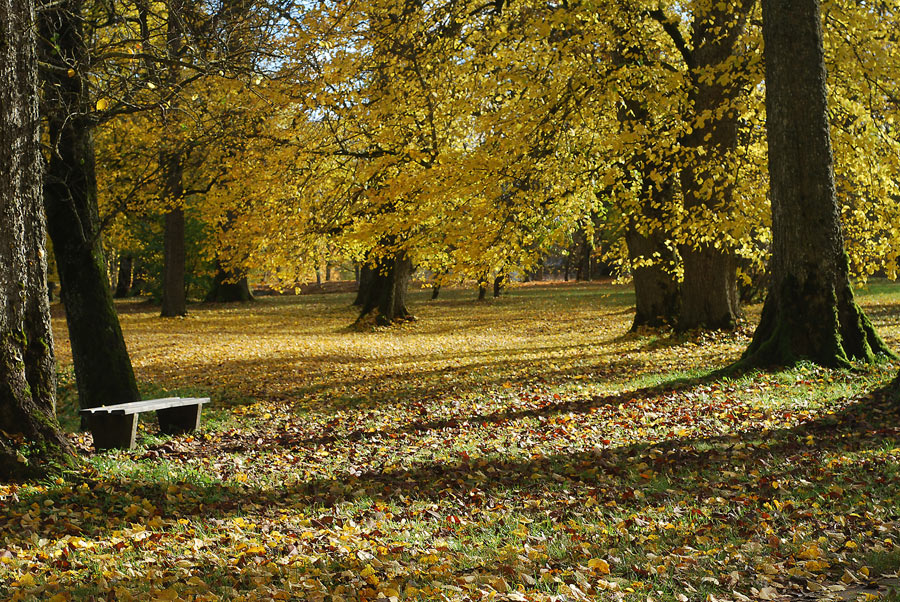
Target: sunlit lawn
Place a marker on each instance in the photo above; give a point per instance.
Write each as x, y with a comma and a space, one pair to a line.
521, 448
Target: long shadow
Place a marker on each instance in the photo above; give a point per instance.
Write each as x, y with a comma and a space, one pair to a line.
545, 409
695, 464
337, 390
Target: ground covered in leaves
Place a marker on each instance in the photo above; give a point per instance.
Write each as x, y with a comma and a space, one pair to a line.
529, 448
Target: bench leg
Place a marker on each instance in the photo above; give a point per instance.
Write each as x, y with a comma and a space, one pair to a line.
175, 421
113, 431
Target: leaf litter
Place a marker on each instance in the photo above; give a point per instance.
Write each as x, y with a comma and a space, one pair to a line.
526, 449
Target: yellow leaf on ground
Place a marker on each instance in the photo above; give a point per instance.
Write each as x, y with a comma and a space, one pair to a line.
599, 565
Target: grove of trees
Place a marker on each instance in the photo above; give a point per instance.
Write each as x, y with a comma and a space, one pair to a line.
697, 146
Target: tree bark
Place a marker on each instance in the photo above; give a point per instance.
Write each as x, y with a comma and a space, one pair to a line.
809, 312
585, 250
656, 292
174, 295
435, 291
365, 279
103, 370
125, 274
30, 441
174, 298
387, 289
498, 284
229, 287
709, 295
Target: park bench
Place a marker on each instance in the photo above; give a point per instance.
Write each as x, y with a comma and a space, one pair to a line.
115, 426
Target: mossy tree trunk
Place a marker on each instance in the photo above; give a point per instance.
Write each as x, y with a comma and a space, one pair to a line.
30, 441
386, 292
709, 293
103, 370
809, 312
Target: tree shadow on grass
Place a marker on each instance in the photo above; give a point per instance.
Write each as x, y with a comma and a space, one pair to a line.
736, 478
870, 423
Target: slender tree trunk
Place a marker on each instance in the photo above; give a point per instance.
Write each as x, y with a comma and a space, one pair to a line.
498, 284
482, 287
123, 279
103, 370
30, 441
585, 249
809, 312
174, 295
387, 290
435, 291
709, 296
174, 299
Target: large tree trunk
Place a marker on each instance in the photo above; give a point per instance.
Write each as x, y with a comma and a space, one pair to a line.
103, 370
229, 287
365, 278
387, 288
30, 441
809, 312
656, 292
709, 297
652, 257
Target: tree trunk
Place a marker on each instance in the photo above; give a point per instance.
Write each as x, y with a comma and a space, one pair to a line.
585, 250
709, 292
229, 287
174, 299
366, 279
435, 291
656, 292
709, 297
498, 285
174, 296
809, 312
125, 273
387, 288
482, 287
30, 441
103, 370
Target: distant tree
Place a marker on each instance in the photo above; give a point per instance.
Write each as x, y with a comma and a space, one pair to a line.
809, 312
30, 441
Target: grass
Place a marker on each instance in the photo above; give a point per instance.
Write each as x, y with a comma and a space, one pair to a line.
529, 448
